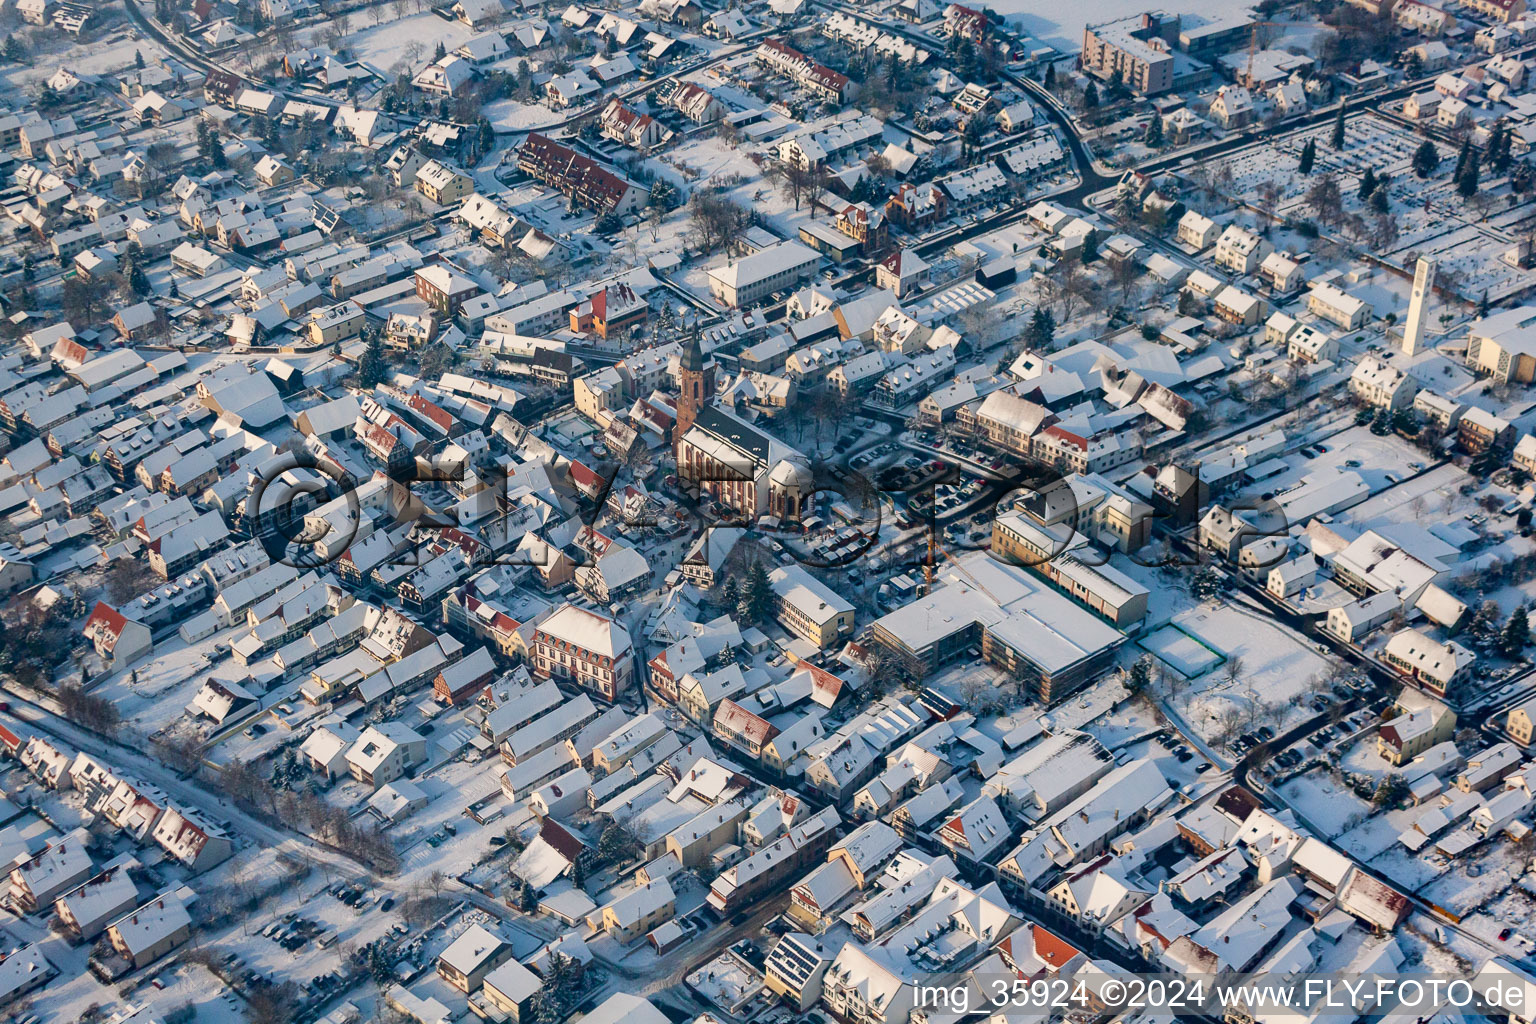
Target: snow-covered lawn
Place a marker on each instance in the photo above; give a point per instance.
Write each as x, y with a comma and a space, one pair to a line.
394, 42
1277, 668
103, 50
1476, 878
1328, 806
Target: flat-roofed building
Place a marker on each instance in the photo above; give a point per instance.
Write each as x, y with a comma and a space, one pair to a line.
1135, 49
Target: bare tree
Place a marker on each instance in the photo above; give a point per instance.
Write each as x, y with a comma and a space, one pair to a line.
816, 188
715, 221
1071, 286
795, 182
1233, 669
1126, 275
1325, 199
1230, 723
1269, 196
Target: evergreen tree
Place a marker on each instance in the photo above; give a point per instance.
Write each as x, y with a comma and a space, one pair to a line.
486, 136
372, 369
1154, 135
1425, 160
13, 51
1139, 675
1042, 329
1308, 157
1091, 96
579, 872
757, 595
663, 194
137, 282
216, 152
1380, 204
138, 59
1517, 633
1338, 129
1090, 246
1496, 146
440, 52
1390, 791
1466, 185
1205, 584
1367, 184
1118, 90
1461, 160
730, 593
1482, 304
1521, 179
1049, 78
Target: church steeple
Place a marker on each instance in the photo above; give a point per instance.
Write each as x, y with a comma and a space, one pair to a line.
693, 355
696, 385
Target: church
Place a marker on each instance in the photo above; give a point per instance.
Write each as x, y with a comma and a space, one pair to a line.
743, 467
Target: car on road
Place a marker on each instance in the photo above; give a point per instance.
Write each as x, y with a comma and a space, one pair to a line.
1505, 934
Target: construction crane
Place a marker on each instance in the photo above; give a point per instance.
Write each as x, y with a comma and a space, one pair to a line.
928, 569
1253, 48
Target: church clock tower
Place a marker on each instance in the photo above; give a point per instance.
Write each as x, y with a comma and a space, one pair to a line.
697, 386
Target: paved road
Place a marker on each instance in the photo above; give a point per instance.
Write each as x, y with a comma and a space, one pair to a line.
33, 714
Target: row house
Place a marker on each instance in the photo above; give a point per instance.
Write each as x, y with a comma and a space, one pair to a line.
628, 127
810, 74
39, 880
193, 842
696, 103
578, 177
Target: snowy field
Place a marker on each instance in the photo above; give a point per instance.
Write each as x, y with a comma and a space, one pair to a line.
410, 40
1326, 805
1275, 668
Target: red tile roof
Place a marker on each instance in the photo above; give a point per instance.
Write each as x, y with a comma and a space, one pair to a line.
105, 625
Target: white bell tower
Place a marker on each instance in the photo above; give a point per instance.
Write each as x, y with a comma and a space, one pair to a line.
1418, 305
